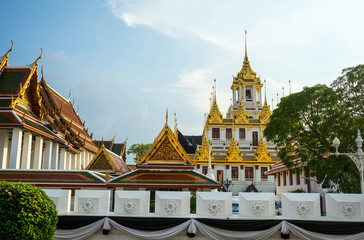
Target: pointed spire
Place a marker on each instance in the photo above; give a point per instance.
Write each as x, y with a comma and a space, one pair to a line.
272, 105
283, 91
289, 87
69, 95
214, 92
166, 116
246, 51
210, 174
175, 126
265, 92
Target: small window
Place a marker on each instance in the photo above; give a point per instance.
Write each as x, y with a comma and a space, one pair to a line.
228, 133
279, 178
290, 178
248, 94
298, 178
284, 178
255, 138
262, 173
204, 170
249, 174
216, 133
235, 173
242, 133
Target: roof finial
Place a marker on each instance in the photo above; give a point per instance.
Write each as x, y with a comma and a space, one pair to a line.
289, 87
283, 91
272, 105
265, 92
277, 99
246, 52
175, 126
69, 95
41, 53
166, 116
214, 91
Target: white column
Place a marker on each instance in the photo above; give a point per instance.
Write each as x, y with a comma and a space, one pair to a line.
4, 149
242, 174
26, 151
79, 163
74, 161
38, 153
257, 175
47, 155
62, 159
54, 159
228, 173
83, 155
14, 160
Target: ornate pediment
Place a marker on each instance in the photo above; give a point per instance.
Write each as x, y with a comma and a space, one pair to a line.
241, 116
233, 153
262, 153
265, 115
202, 155
166, 149
215, 115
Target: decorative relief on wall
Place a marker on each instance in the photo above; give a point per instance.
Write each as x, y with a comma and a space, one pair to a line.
166, 151
303, 209
257, 208
349, 210
214, 207
170, 207
129, 206
88, 205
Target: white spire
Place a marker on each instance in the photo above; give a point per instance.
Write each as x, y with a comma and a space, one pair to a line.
209, 169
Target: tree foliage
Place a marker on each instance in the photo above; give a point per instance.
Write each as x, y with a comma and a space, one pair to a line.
139, 148
303, 127
26, 212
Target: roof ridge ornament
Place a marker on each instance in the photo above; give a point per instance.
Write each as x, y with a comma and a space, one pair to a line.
4, 60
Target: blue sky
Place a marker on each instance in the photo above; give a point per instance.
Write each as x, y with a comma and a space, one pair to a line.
125, 62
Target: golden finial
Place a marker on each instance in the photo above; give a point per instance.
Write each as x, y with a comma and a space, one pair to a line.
289, 87
246, 52
102, 140
265, 92
41, 53
166, 116
175, 126
214, 94
11, 49
69, 95
283, 91
41, 70
73, 102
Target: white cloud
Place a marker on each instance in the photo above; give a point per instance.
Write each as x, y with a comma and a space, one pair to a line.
59, 56
145, 112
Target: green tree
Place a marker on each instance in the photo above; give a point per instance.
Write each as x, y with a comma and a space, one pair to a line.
349, 87
139, 148
303, 126
26, 212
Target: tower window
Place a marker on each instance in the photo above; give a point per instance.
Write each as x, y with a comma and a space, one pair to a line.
215, 133
228, 133
242, 133
262, 173
249, 175
255, 138
248, 94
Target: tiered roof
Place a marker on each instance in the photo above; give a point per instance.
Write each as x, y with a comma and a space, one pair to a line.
106, 160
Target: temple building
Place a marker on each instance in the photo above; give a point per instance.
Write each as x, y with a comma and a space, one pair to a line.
39, 128
239, 154
166, 166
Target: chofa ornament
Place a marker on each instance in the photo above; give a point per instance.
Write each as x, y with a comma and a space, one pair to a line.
129, 206
170, 207
349, 210
214, 207
303, 209
88, 205
257, 208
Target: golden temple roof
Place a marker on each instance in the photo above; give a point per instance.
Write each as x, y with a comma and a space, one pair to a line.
262, 153
233, 153
166, 149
